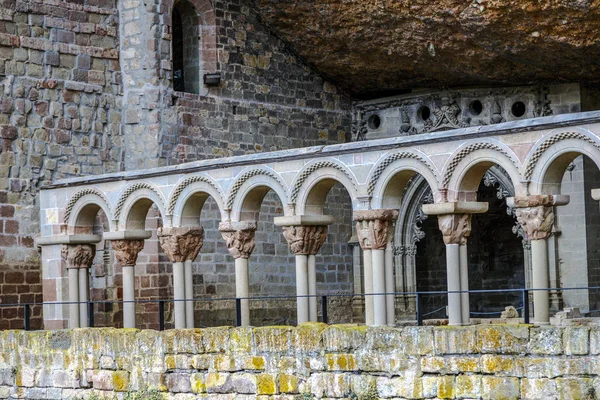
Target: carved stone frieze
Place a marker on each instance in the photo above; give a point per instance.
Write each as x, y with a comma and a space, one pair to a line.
374, 228
239, 237
182, 243
78, 255
127, 251
455, 228
305, 239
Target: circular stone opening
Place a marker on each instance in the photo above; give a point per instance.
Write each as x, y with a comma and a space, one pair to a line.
475, 107
374, 121
518, 109
424, 113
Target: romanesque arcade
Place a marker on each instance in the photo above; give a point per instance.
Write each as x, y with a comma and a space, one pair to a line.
533, 155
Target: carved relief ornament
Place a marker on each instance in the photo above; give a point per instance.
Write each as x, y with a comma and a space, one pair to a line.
535, 214
127, 251
239, 237
455, 228
305, 239
78, 255
375, 228
181, 244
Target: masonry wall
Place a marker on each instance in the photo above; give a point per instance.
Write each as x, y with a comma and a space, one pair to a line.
60, 86
313, 361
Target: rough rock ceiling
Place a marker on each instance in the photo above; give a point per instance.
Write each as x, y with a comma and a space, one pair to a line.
377, 47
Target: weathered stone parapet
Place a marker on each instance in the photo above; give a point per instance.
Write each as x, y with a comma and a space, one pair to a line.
339, 362
239, 237
127, 251
374, 227
181, 243
78, 255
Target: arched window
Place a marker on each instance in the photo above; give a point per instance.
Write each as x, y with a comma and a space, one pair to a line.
194, 46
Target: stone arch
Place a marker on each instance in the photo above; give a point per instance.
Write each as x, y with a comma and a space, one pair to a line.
247, 193
389, 178
82, 208
134, 203
467, 166
313, 183
198, 33
188, 197
549, 158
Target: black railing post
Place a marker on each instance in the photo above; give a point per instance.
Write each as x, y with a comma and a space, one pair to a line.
161, 315
324, 309
90, 306
525, 293
419, 311
26, 317
238, 312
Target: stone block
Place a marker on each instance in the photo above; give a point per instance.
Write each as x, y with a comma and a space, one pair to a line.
500, 388
501, 365
179, 383
244, 383
218, 382
197, 383
329, 384
538, 389
344, 338
408, 386
340, 362
440, 387
576, 340
288, 383
272, 339
503, 339
545, 340
455, 340
468, 386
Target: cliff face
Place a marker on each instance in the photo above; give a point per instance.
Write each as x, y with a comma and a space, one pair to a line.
371, 47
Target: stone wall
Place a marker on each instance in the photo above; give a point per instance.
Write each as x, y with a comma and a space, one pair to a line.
60, 86
312, 361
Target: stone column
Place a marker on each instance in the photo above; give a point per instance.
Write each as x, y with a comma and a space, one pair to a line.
373, 228
305, 234
182, 245
239, 238
127, 251
79, 258
389, 281
454, 220
535, 214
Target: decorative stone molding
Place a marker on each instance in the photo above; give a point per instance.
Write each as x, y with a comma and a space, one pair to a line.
181, 186
305, 239
130, 190
378, 170
455, 228
312, 168
181, 243
127, 251
247, 175
78, 195
374, 227
78, 255
239, 237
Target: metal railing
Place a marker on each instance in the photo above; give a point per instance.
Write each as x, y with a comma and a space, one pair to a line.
524, 305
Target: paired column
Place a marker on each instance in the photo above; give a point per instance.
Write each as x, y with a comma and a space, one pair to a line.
374, 229
239, 238
79, 258
126, 251
535, 214
305, 234
454, 220
182, 245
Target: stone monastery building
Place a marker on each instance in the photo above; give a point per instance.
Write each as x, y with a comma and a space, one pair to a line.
206, 149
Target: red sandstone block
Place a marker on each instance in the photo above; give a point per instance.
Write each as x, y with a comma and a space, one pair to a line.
7, 211
14, 277
8, 241
32, 277
27, 241
11, 226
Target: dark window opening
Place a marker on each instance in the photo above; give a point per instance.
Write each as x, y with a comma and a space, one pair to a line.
178, 80
518, 109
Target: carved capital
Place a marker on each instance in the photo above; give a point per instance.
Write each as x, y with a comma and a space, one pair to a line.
537, 222
78, 255
181, 244
305, 239
375, 228
455, 228
127, 251
239, 237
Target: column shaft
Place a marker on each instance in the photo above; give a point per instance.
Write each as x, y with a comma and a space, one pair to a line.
312, 288
389, 284
453, 271
83, 296
379, 300
302, 288
242, 288
189, 294
464, 284
73, 297
179, 295
368, 276
128, 296
541, 298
